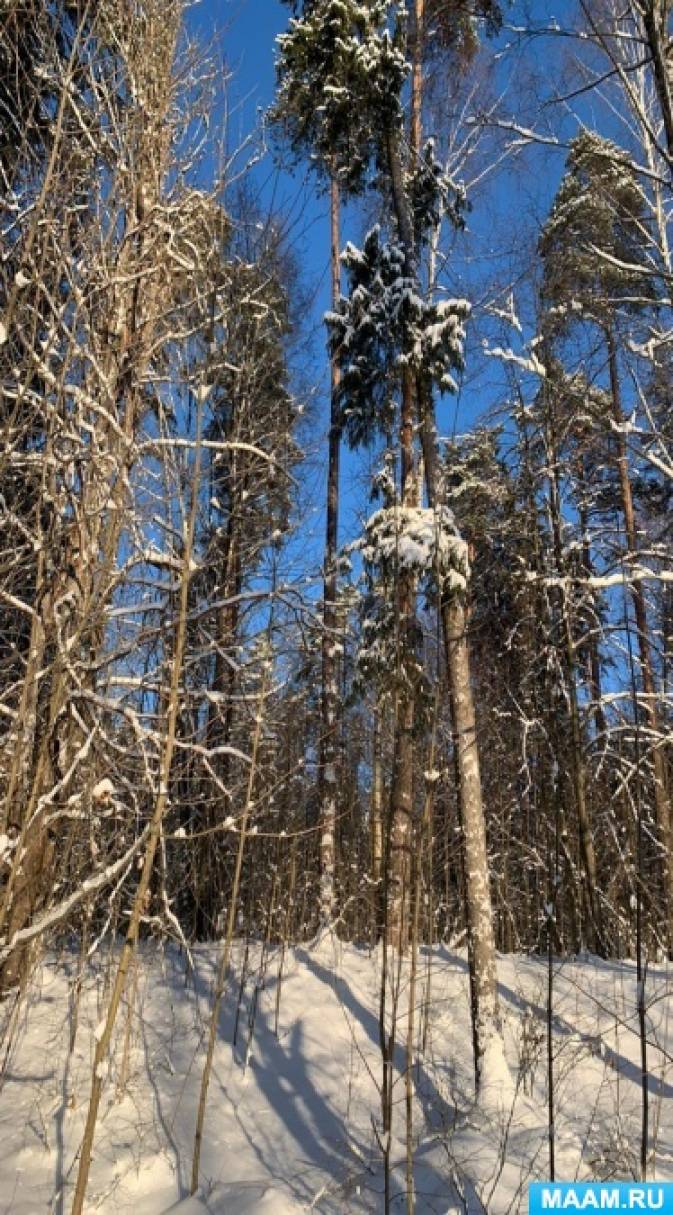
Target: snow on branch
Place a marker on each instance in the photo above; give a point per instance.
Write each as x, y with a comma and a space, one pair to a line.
385, 325
419, 540
529, 362
91, 886
598, 582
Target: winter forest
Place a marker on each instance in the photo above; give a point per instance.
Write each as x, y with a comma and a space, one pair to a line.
336, 603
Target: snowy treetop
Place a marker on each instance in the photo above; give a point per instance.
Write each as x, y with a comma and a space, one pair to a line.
341, 68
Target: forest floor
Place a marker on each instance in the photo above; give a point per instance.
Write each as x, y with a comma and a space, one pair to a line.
291, 1110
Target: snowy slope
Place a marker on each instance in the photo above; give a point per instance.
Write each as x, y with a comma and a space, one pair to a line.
292, 1130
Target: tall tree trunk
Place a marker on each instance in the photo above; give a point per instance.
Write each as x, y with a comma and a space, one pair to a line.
593, 913
593, 656
473, 824
401, 794
329, 741
590, 897
478, 895
654, 15
637, 590
376, 813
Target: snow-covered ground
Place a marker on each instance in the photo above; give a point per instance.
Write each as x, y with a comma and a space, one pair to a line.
290, 1113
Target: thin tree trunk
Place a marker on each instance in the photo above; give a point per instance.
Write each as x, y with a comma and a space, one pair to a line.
473, 824
655, 20
401, 795
223, 966
289, 900
376, 815
593, 657
661, 794
594, 916
415, 882
330, 698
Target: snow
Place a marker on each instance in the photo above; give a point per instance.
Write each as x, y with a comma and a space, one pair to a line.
420, 539
293, 1131
239, 1200
508, 314
103, 791
498, 1093
527, 363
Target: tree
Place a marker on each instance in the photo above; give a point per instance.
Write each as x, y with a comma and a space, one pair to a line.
343, 68
595, 268
314, 43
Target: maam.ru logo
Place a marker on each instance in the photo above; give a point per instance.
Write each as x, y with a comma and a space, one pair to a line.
601, 1196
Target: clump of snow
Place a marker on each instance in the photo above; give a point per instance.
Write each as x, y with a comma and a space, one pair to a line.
507, 313
421, 540
529, 362
103, 792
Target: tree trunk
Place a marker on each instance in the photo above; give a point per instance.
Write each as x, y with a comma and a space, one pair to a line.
473, 825
661, 794
478, 896
593, 913
376, 813
329, 707
401, 794
658, 43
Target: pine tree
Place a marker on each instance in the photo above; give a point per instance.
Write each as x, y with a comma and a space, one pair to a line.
594, 269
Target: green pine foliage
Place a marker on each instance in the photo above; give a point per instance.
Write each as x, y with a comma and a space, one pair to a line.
591, 246
341, 69
382, 326
453, 24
